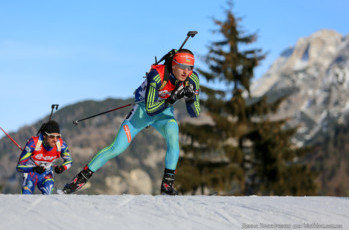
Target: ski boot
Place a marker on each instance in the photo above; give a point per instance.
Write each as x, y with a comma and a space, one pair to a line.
79, 181
167, 183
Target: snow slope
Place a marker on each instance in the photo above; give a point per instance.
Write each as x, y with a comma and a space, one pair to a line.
143, 212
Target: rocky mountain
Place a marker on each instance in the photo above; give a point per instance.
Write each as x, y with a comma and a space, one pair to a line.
315, 75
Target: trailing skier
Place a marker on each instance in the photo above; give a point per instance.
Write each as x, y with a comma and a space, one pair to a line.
37, 158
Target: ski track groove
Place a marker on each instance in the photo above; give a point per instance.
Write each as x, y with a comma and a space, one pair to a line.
7, 210
134, 212
34, 204
75, 212
193, 217
23, 206
126, 200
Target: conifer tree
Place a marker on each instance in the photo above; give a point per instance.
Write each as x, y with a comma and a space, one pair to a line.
240, 151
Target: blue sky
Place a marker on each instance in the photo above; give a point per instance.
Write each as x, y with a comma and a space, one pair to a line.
63, 52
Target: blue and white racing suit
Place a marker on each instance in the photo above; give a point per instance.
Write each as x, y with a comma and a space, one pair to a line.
36, 153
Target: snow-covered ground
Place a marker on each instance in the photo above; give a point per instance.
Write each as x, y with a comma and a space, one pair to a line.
143, 212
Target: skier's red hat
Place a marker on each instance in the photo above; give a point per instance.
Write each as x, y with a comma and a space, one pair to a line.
184, 58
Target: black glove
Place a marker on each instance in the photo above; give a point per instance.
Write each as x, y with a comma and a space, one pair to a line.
176, 94
59, 169
189, 91
39, 169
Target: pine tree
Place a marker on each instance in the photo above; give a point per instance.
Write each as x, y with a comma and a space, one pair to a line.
241, 151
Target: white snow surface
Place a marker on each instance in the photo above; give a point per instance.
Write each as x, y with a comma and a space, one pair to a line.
143, 212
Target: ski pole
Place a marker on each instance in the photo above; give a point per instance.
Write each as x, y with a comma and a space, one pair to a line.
53, 106
111, 110
20, 147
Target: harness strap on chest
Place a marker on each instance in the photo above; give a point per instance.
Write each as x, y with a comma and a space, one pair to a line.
38, 145
166, 78
58, 144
